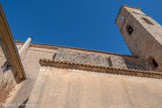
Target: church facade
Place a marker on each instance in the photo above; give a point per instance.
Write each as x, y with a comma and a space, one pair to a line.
52, 76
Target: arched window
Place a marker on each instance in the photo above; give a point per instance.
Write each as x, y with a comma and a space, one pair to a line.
129, 29
153, 62
147, 21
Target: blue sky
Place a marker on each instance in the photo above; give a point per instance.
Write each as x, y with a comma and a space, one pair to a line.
77, 23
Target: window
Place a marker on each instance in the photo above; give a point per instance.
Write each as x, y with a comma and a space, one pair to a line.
129, 29
5, 67
147, 21
153, 62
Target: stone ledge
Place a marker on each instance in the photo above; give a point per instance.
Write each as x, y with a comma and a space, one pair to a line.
130, 72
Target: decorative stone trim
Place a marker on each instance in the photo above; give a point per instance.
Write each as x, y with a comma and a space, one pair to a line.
95, 68
40, 45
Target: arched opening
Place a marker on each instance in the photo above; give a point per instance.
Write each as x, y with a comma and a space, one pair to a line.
153, 62
129, 29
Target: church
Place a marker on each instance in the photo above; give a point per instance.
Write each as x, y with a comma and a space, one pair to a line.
36, 75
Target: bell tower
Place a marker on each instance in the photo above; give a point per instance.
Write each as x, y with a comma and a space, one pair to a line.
142, 34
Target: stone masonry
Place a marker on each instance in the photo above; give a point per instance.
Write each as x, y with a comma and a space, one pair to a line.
107, 60
145, 38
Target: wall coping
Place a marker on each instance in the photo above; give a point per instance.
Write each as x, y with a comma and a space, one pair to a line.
41, 45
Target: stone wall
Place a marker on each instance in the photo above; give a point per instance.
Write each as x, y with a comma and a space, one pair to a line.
71, 88
146, 39
107, 60
82, 57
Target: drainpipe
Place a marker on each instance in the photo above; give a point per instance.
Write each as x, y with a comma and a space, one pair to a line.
25, 46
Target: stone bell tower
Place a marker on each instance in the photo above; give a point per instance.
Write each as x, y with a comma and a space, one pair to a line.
142, 34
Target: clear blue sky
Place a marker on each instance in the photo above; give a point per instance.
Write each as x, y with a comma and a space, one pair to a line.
78, 23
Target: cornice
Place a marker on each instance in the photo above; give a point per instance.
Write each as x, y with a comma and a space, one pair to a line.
95, 68
123, 5
40, 45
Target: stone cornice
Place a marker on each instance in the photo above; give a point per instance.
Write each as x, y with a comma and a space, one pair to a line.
123, 5
95, 68
40, 45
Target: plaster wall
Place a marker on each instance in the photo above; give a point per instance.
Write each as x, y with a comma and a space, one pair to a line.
66, 88
30, 62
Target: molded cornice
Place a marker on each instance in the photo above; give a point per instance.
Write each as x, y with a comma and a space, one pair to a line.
95, 68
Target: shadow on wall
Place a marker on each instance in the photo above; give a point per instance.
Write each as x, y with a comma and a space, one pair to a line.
23, 104
54, 56
138, 64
